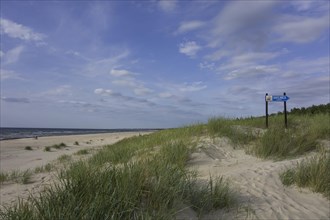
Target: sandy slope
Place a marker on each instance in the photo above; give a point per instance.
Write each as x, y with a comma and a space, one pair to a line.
261, 195
13, 157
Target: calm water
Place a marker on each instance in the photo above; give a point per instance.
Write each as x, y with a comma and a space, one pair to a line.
14, 133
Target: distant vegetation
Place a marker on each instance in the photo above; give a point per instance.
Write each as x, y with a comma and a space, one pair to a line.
312, 110
315, 109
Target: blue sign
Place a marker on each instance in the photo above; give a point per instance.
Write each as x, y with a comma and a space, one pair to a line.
277, 98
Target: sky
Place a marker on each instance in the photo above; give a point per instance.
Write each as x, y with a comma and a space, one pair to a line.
158, 64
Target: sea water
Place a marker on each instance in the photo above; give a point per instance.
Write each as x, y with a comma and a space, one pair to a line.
15, 133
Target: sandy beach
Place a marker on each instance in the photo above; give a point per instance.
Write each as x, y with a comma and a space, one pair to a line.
260, 193
14, 157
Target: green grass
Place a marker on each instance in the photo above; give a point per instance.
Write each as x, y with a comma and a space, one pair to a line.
59, 146
144, 177
312, 173
64, 158
82, 152
136, 178
47, 149
228, 128
3, 177
302, 135
28, 148
21, 177
56, 146
76, 143
47, 168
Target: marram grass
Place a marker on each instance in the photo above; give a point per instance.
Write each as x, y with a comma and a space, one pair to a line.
109, 186
313, 173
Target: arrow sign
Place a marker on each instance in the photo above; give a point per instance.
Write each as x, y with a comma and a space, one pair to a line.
277, 98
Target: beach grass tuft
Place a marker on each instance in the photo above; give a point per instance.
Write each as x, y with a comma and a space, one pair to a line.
28, 148
21, 177
64, 158
312, 173
82, 152
3, 177
47, 148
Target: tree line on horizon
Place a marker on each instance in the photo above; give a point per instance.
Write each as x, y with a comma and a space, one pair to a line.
311, 110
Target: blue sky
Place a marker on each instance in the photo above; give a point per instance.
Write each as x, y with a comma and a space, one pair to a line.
143, 64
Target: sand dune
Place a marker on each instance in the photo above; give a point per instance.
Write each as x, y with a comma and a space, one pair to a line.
260, 192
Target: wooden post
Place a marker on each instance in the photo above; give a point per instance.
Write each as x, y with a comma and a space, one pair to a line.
266, 110
285, 114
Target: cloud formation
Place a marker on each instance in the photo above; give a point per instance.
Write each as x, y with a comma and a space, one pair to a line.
167, 6
189, 48
188, 26
299, 29
12, 56
22, 32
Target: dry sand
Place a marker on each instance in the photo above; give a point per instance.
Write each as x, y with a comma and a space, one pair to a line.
259, 191
14, 157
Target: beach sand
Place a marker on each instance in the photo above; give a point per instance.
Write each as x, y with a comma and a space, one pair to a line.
14, 157
259, 192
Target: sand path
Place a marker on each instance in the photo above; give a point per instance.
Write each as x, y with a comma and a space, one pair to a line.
260, 190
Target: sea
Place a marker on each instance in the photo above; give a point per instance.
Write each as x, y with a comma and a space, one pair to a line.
16, 133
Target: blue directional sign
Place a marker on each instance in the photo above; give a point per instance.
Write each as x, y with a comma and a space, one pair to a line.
277, 98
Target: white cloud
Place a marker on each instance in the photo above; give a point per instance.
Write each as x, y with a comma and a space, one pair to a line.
302, 5
12, 55
217, 55
301, 29
242, 22
305, 66
189, 48
63, 90
121, 73
310, 5
104, 66
246, 61
167, 5
207, 65
124, 82
101, 91
15, 30
8, 74
165, 95
192, 87
142, 91
187, 26
252, 72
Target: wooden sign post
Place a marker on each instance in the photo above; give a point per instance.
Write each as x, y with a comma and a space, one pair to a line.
277, 98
